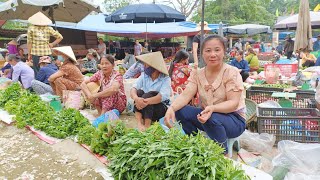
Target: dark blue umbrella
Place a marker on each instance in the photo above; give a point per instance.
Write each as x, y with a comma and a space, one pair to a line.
146, 13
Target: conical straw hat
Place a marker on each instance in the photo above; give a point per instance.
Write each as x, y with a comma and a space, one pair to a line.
66, 50
205, 26
39, 19
93, 87
155, 60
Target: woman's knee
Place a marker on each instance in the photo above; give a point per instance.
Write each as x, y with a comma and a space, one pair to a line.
150, 94
140, 92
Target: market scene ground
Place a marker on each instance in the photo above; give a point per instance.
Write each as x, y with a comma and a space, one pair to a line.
132, 90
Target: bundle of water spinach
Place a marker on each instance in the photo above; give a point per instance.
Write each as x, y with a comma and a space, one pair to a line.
156, 155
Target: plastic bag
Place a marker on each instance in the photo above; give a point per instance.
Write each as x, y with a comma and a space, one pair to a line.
298, 79
301, 176
298, 157
110, 115
269, 104
73, 99
254, 142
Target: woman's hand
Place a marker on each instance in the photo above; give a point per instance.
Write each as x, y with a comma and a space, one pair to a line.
91, 98
205, 114
169, 118
140, 103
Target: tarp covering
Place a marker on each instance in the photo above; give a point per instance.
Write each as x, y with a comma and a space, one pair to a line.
58, 10
292, 21
249, 29
96, 23
155, 30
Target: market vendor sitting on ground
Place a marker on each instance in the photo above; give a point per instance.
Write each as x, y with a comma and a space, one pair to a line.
179, 71
222, 112
69, 77
105, 88
307, 59
20, 71
152, 90
89, 65
241, 64
39, 38
41, 84
252, 60
128, 60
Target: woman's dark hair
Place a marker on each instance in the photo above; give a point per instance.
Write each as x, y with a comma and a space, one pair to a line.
180, 55
240, 53
109, 58
211, 37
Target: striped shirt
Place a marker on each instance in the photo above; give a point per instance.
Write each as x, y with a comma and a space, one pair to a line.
39, 37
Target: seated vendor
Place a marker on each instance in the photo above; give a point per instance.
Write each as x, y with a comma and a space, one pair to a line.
129, 59
241, 64
307, 59
20, 71
41, 84
69, 77
89, 65
253, 60
152, 90
222, 112
179, 71
111, 93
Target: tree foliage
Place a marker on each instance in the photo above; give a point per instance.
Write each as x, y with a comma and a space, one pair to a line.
248, 11
113, 5
186, 7
236, 12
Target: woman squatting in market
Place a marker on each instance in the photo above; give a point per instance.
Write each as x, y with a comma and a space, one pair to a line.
105, 88
151, 93
222, 112
69, 76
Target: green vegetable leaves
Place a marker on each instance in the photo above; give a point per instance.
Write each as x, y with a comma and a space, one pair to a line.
156, 155
105, 135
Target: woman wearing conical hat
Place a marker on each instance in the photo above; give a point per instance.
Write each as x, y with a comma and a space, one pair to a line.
69, 76
152, 90
38, 41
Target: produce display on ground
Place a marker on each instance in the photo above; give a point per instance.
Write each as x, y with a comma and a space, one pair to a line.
153, 154
30, 110
156, 155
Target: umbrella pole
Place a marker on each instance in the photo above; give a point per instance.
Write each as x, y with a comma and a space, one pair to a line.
146, 29
201, 64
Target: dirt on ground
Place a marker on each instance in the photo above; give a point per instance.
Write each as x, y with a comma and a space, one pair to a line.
24, 156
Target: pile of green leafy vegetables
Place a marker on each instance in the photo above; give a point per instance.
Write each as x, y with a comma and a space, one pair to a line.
105, 135
153, 154
29, 109
156, 155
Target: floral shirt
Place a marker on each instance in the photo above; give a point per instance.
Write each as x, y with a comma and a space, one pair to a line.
106, 82
180, 75
91, 66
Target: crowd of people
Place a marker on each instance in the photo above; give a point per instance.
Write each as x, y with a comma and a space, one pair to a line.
220, 111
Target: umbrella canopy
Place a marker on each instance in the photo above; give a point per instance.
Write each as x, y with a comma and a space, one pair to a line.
249, 29
142, 13
304, 31
292, 21
56, 10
